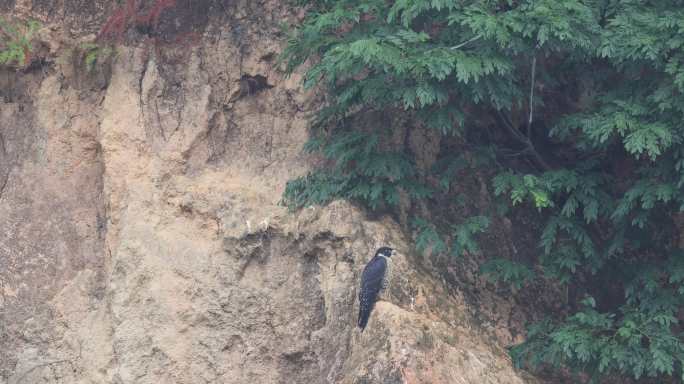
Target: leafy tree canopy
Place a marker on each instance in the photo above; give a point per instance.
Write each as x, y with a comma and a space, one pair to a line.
575, 107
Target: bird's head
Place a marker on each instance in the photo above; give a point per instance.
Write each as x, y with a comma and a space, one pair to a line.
386, 251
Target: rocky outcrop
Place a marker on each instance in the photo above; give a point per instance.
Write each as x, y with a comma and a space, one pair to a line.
142, 240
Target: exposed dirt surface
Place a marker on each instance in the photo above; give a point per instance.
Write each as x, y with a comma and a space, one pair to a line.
141, 236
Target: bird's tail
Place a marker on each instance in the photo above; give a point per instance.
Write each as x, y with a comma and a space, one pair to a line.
364, 314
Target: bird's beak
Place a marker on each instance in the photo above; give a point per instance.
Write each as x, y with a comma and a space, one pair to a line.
394, 252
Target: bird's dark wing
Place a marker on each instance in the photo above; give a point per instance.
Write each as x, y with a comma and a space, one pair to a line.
371, 283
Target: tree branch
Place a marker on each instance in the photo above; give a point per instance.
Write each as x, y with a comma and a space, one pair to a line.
529, 121
511, 129
455, 47
540, 160
522, 139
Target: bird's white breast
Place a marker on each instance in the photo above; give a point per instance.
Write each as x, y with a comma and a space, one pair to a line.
386, 279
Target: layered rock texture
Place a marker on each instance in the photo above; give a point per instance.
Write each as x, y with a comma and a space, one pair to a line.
141, 236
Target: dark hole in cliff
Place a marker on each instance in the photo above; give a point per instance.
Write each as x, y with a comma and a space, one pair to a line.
36, 64
294, 357
268, 57
250, 85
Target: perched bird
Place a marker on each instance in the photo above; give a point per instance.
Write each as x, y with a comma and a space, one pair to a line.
376, 277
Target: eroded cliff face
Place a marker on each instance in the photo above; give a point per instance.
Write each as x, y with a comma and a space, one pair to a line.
141, 239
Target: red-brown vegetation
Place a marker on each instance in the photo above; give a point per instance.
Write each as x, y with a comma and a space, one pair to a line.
132, 14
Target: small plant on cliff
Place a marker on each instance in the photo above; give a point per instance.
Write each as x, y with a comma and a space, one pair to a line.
16, 42
96, 53
582, 104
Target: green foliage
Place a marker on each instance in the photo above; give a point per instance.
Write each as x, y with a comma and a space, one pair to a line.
16, 42
637, 341
463, 234
360, 170
95, 54
579, 104
462, 237
427, 237
508, 271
